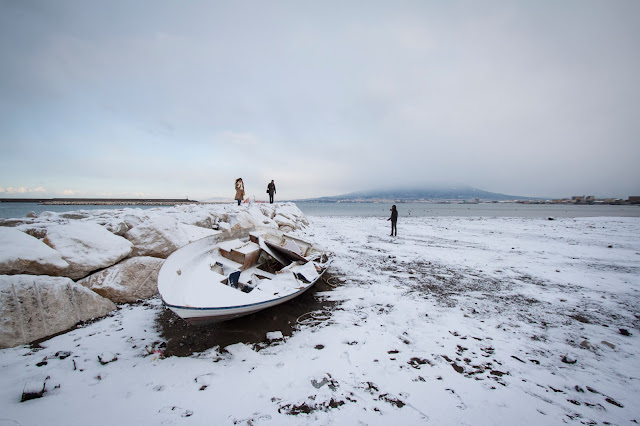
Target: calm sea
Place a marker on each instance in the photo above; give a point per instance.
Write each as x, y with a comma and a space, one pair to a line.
15, 210
468, 210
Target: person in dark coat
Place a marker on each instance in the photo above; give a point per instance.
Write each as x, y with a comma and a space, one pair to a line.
394, 220
271, 189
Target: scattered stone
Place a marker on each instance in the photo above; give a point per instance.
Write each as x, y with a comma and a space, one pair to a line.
568, 359
274, 335
34, 388
581, 318
614, 402
391, 400
107, 357
457, 368
585, 344
418, 362
611, 345
624, 332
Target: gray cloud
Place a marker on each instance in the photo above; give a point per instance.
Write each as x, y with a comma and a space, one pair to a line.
166, 99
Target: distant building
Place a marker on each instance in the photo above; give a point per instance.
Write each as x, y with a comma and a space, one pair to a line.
581, 199
635, 199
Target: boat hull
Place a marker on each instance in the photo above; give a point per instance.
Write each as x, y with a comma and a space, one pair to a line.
205, 316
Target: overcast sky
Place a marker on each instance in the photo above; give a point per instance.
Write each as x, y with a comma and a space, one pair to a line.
163, 98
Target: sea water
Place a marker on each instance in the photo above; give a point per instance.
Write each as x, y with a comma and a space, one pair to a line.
468, 210
17, 210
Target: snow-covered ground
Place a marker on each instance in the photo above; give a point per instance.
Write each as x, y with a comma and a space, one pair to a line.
457, 321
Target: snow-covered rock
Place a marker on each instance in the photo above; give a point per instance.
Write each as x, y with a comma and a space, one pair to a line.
274, 335
23, 254
293, 213
162, 235
87, 247
284, 224
35, 306
117, 227
130, 280
246, 220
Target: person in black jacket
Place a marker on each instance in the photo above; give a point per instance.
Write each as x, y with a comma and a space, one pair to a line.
271, 189
394, 220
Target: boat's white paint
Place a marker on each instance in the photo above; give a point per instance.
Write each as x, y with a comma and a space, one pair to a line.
191, 285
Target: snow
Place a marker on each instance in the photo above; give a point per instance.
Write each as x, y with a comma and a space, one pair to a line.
27, 251
87, 246
456, 321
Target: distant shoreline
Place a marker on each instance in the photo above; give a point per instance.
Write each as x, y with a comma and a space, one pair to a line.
101, 201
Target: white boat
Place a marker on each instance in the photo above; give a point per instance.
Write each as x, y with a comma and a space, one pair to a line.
209, 281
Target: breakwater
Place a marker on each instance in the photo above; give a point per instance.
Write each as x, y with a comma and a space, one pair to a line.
101, 201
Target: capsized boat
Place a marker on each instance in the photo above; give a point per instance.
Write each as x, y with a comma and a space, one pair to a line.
209, 281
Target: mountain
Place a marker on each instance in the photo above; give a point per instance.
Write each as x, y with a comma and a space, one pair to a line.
442, 193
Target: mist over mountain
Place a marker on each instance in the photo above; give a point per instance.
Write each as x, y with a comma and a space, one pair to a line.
439, 193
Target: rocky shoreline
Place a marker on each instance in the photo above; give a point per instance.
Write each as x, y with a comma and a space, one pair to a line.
57, 270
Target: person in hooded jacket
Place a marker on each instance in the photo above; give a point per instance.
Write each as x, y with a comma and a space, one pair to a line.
394, 220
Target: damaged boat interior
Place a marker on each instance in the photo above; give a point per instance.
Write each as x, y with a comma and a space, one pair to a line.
243, 265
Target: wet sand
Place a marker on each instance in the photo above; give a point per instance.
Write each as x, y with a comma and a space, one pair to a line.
184, 339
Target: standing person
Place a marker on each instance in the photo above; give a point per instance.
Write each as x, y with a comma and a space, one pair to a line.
239, 190
394, 220
271, 189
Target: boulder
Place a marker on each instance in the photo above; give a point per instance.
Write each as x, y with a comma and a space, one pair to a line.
87, 247
268, 210
284, 224
245, 221
33, 307
130, 280
162, 235
293, 213
119, 228
21, 253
